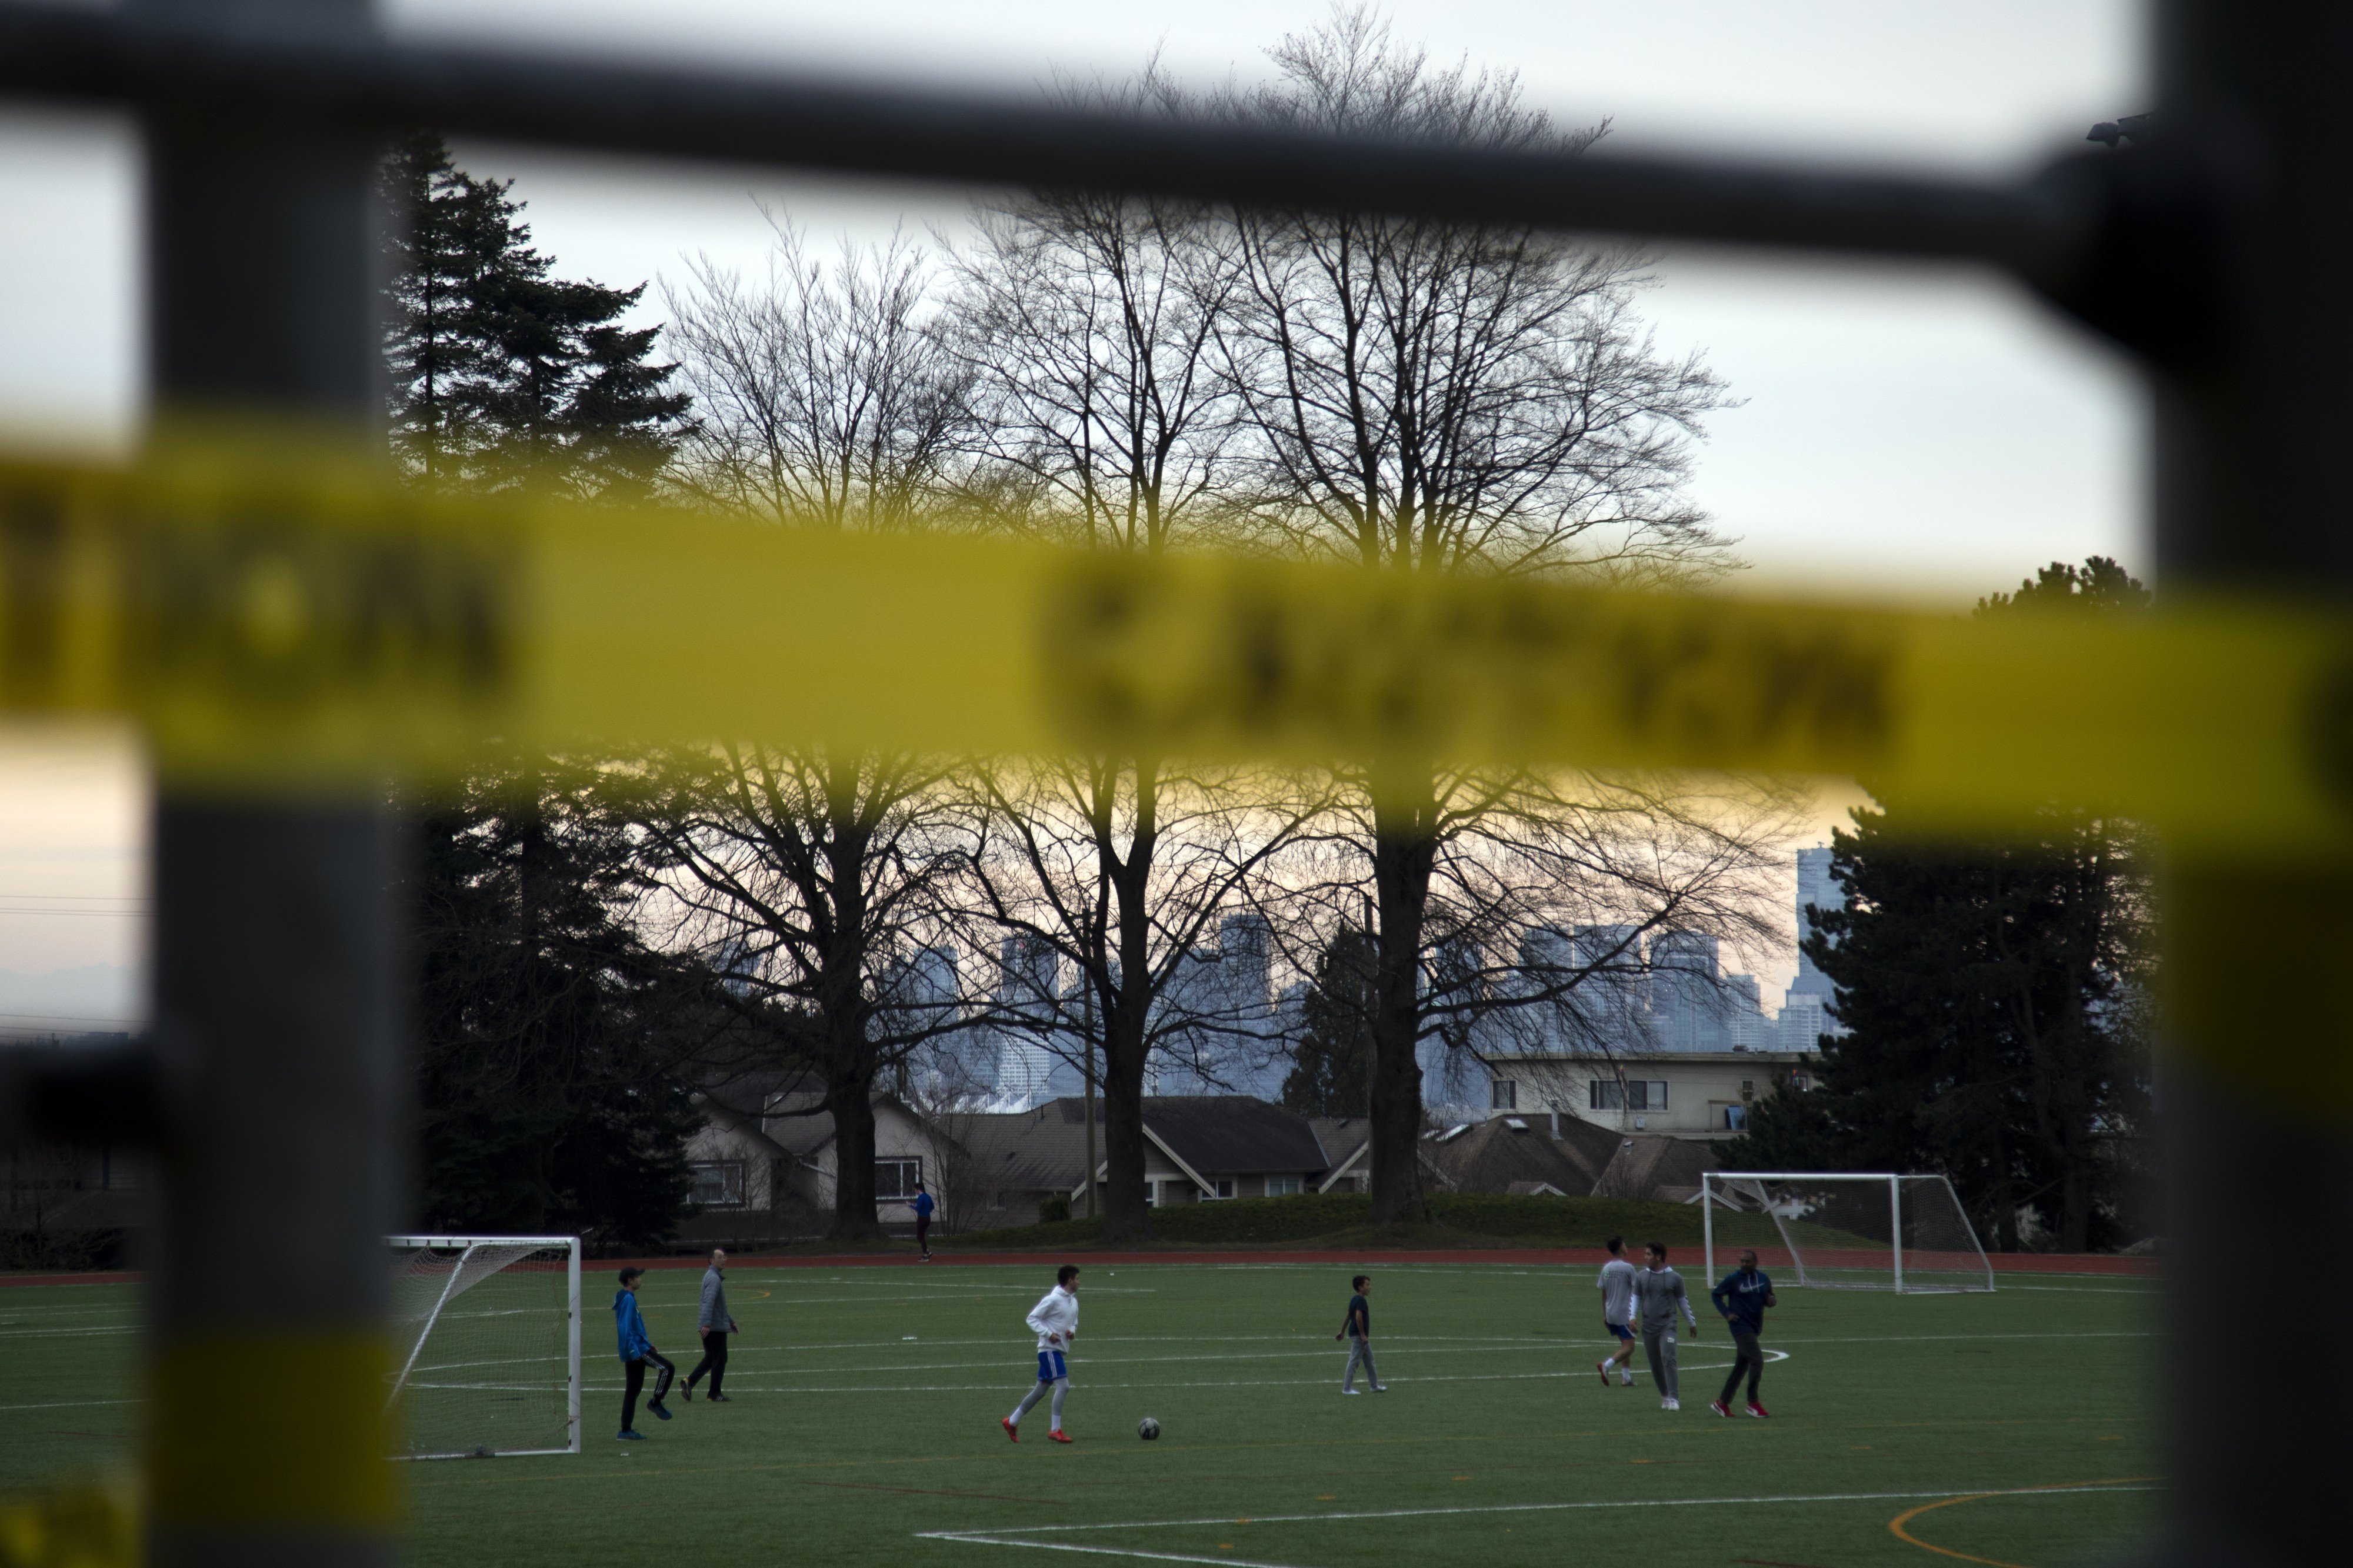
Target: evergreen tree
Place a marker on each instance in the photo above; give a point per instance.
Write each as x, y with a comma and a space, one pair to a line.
551, 1035
501, 374
1995, 1000
1332, 1067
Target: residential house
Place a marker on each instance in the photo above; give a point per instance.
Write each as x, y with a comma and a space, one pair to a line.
1686, 1094
765, 1161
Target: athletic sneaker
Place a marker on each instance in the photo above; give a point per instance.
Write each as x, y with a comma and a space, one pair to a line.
1010, 1429
717, 1399
1603, 1368
629, 1436
686, 1392
1671, 1404
1721, 1408
1755, 1409
662, 1412
1351, 1392
1626, 1378
1380, 1388
1059, 1436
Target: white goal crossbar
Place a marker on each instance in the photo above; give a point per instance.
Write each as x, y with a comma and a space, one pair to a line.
1846, 1230
486, 1344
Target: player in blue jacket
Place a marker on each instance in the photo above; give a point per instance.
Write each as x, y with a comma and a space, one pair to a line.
924, 1221
1742, 1297
637, 1352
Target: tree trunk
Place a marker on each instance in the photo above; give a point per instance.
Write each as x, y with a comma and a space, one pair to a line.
1125, 1218
1405, 848
1126, 1019
848, 1097
843, 1011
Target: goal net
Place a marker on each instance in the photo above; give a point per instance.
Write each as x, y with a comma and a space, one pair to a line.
486, 1345
1868, 1231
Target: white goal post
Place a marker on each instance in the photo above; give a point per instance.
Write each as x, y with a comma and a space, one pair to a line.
486, 1345
1845, 1230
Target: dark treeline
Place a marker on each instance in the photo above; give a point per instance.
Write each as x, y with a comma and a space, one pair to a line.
1997, 1003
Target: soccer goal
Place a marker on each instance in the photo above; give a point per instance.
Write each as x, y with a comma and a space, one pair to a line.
486, 1344
1845, 1231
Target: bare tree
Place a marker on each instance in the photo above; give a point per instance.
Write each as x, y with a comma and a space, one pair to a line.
1088, 324
828, 402
827, 397
1445, 397
1126, 885
819, 877
1557, 906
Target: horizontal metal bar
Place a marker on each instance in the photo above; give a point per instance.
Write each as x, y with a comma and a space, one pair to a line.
822, 122
93, 1094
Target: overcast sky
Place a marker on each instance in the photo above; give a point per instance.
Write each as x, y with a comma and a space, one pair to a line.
1928, 431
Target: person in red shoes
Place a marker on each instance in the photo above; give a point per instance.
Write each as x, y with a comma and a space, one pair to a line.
1055, 1322
1742, 1299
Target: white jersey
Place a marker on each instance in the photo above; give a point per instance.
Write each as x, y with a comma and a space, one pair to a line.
1617, 1284
1055, 1319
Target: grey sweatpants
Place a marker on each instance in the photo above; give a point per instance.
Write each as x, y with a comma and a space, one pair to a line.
1360, 1352
1659, 1348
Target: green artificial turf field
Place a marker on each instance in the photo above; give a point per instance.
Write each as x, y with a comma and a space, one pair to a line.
864, 1426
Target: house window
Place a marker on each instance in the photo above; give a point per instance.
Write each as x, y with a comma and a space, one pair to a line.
894, 1180
1736, 1119
1634, 1094
1282, 1186
718, 1183
1503, 1094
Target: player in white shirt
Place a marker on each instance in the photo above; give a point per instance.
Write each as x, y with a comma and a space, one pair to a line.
1616, 1288
1055, 1322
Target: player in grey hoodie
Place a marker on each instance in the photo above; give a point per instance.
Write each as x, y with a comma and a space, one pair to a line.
714, 1323
1658, 1291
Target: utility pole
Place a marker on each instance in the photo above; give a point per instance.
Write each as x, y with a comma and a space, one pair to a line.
2235, 292
274, 985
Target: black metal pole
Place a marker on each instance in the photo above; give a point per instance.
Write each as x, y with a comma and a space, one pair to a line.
274, 994
2254, 491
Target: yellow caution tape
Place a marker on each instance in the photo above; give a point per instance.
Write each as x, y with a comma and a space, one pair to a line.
280, 619
71, 1527
300, 1447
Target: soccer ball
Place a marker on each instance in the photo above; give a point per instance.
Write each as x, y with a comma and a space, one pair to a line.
1147, 1429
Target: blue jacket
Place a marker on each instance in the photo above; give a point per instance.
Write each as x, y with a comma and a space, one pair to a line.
631, 1324
1741, 1297
923, 1206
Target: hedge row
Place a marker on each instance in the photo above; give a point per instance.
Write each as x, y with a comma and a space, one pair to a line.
1457, 1219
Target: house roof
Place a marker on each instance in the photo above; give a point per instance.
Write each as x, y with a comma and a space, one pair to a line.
1233, 1135
1645, 1163
1044, 1149
1495, 1156
1340, 1136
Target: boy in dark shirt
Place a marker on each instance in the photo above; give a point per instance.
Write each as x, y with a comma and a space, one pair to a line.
1358, 1330
1742, 1297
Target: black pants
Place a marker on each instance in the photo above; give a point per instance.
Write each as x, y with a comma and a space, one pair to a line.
923, 1232
1746, 1355
636, 1381
714, 1361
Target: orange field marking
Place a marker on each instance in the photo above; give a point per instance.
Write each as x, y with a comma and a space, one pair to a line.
1895, 1526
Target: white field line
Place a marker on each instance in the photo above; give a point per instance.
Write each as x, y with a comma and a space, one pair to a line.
1925, 1339
71, 1404
1023, 1536
1325, 1382
66, 1333
1464, 1345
